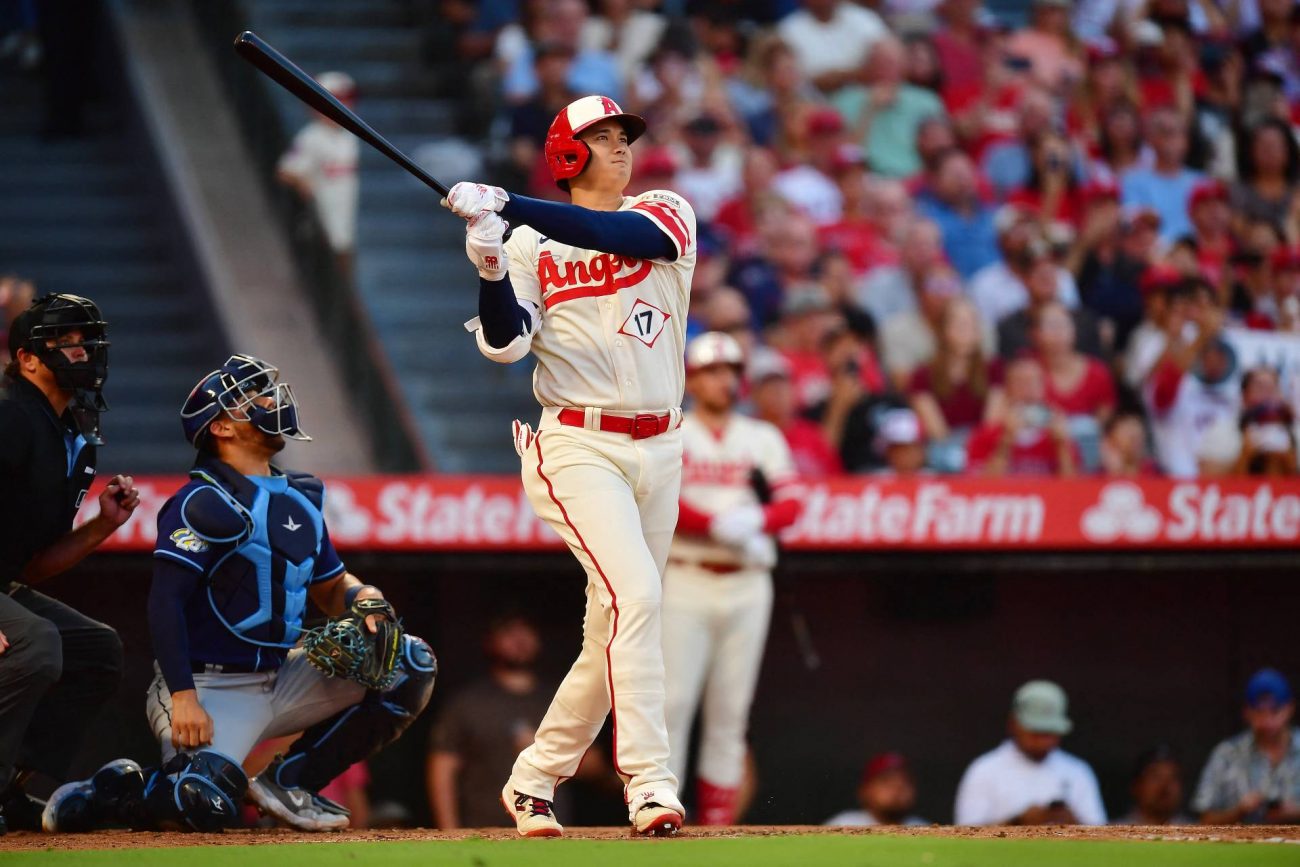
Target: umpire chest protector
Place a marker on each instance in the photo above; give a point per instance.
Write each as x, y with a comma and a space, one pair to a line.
268, 530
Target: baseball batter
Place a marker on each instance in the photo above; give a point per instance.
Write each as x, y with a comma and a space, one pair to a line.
598, 291
738, 489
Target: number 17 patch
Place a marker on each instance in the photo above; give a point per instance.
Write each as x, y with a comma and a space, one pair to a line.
646, 322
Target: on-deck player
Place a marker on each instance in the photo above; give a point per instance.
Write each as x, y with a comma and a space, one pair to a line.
718, 587
598, 291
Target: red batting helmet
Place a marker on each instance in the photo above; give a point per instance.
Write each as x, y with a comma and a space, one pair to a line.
566, 156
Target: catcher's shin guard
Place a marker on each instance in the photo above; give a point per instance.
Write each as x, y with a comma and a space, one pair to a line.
330, 747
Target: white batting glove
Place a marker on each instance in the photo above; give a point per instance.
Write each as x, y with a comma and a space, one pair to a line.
759, 552
467, 199
736, 526
485, 245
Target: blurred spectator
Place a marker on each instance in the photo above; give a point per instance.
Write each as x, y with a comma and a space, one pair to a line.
656, 169
1193, 384
626, 31
1030, 439
674, 86
739, 217
711, 172
1276, 303
807, 318
1123, 451
786, 260
1157, 790
321, 166
1029, 779
1109, 263
482, 729
1165, 296
969, 235
1251, 290
1008, 163
1268, 170
935, 136
1267, 425
894, 289
773, 396
958, 41
1167, 186
1077, 384
1211, 235
831, 39
1273, 30
727, 311
962, 384
855, 403
772, 88
1042, 284
902, 442
884, 113
856, 233
886, 795
564, 23
1049, 46
909, 339
16, 295
530, 119
807, 185
1254, 777
999, 289
1051, 193
835, 275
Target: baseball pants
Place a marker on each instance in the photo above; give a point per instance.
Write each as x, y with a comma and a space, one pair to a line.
614, 502
715, 629
249, 708
60, 668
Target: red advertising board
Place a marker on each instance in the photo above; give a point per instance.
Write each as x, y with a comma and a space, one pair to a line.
491, 513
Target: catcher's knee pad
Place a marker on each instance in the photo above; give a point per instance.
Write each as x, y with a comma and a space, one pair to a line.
200, 792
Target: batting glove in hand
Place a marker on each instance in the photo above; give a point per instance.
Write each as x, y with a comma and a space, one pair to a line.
736, 526
759, 552
467, 200
484, 245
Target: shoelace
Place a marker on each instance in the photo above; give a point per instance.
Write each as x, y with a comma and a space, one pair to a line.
537, 807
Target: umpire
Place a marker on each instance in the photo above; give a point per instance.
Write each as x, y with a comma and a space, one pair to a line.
57, 666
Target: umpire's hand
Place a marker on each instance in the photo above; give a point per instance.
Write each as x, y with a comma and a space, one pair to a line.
4, 643
191, 725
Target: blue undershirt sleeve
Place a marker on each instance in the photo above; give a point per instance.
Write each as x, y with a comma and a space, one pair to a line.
171, 587
621, 232
499, 312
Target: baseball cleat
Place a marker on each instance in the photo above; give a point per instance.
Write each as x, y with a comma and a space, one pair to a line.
656, 814
533, 817
297, 807
104, 800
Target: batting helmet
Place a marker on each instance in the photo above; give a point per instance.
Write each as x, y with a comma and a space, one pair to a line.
716, 347
566, 154
234, 388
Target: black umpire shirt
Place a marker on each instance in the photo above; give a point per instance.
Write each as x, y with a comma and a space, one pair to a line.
46, 467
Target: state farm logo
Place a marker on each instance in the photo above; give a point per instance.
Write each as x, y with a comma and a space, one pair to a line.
1121, 513
604, 274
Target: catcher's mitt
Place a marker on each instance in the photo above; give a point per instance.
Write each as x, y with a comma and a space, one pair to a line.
345, 648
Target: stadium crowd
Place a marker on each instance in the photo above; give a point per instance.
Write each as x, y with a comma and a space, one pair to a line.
1063, 239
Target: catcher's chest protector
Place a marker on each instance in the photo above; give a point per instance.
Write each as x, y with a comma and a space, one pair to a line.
273, 528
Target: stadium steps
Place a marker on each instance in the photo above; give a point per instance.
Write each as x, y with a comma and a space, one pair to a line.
412, 275
81, 216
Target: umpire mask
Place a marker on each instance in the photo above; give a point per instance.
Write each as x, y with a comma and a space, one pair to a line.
48, 319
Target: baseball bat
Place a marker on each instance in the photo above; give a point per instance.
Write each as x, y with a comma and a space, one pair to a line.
290, 76
788, 590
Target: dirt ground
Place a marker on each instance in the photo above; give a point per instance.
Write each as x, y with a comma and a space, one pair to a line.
20, 841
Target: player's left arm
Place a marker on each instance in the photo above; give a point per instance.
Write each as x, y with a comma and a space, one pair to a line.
334, 589
787, 494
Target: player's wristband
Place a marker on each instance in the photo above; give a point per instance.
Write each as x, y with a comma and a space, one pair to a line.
350, 595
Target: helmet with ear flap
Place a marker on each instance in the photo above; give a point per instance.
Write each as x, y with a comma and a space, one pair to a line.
566, 154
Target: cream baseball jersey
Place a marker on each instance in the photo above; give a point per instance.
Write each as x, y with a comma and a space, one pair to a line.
717, 476
613, 328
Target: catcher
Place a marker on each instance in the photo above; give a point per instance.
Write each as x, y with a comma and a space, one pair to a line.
241, 548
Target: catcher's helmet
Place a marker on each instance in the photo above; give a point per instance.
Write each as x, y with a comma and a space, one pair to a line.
51, 316
233, 388
715, 347
566, 154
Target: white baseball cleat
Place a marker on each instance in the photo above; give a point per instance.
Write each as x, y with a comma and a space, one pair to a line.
296, 807
533, 817
656, 813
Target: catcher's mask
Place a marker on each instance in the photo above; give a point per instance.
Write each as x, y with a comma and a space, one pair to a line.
38, 330
235, 388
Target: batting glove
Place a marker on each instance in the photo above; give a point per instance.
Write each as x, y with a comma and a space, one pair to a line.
736, 526
485, 246
467, 200
759, 552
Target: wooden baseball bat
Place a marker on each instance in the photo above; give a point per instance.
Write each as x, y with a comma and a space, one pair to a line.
290, 76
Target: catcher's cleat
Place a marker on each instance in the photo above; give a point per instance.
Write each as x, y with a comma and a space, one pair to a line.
71, 809
533, 817
108, 799
656, 814
295, 806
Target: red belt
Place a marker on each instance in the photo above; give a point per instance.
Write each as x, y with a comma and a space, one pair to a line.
639, 427
714, 566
